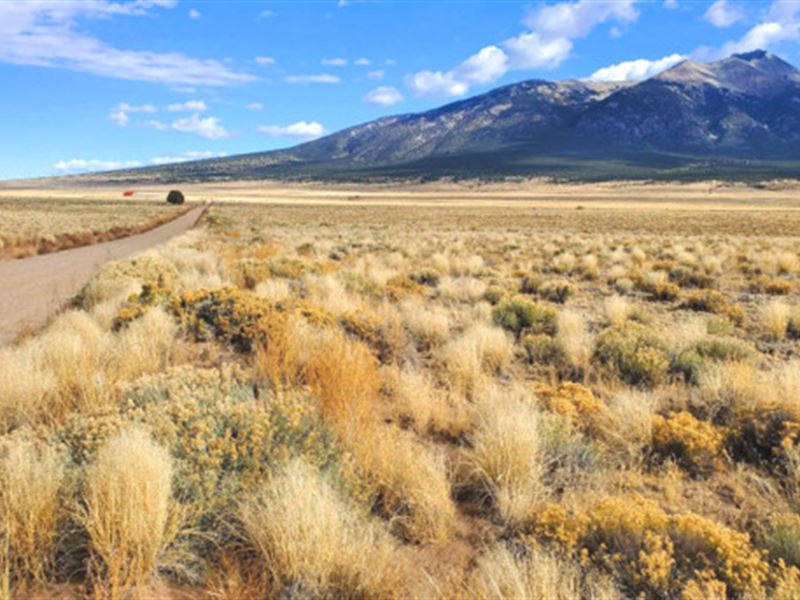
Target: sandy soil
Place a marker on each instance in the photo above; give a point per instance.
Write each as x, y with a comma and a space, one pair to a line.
33, 289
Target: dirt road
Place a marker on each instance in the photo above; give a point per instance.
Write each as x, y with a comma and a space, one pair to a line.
33, 289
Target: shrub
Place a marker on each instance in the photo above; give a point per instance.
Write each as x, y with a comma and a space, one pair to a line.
556, 290
519, 314
657, 553
773, 287
542, 348
576, 403
719, 326
782, 538
714, 302
694, 444
175, 197
617, 310
689, 278
634, 353
127, 513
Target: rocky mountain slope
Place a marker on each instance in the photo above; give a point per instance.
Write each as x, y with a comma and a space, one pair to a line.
745, 107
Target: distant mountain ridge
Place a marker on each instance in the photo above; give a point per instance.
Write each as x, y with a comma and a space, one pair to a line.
742, 108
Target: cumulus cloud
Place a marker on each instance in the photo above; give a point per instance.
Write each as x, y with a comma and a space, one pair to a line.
323, 78
209, 128
334, 62
546, 44
255, 106
47, 34
636, 70
267, 14
376, 75
265, 61
531, 51
82, 165
577, 19
780, 24
195, 14
363, 62
385, 95
301, 130
723, 14
119, 114
671, 4
188, 106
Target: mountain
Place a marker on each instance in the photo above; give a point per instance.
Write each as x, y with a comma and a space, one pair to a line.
739, 115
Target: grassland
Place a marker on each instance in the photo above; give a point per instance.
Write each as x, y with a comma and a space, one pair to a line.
32, 224
375, 393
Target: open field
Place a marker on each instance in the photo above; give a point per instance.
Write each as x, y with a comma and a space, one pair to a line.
437, 391
40, 223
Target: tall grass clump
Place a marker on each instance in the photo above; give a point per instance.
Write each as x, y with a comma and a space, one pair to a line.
31, 478
314, 542
128, 514
504, 463
480, 349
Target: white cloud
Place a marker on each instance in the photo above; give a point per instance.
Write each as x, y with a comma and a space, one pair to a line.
545, 46
435, 83
577, 19
723, 14
300, 130
265, 61
376, 75
194, 14
47, 34
384, 96
157, 125
82, 165
209, 128
636, 70
671, 4
390, 62
324, 78
363, 62
255, 106
119, 114
781, 24
531, 51
334, 62
185, 157
267, 14
188, 106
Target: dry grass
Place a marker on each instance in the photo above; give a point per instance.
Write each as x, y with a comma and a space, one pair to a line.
41, 225
505, 462
128, 514
421, 401
314, 542
31, 479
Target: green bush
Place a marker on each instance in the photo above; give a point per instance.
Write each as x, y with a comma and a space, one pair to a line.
543, 349
556, 290
634, 353
175, 197
783, 538
494, 294
519, 314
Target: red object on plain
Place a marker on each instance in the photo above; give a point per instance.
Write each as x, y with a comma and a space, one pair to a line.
128, 193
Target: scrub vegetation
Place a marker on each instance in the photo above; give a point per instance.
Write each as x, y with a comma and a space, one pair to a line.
367, 402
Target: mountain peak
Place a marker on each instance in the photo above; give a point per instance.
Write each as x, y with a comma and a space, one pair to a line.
754, 55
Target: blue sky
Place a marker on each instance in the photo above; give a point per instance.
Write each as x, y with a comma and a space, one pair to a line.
102, 84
